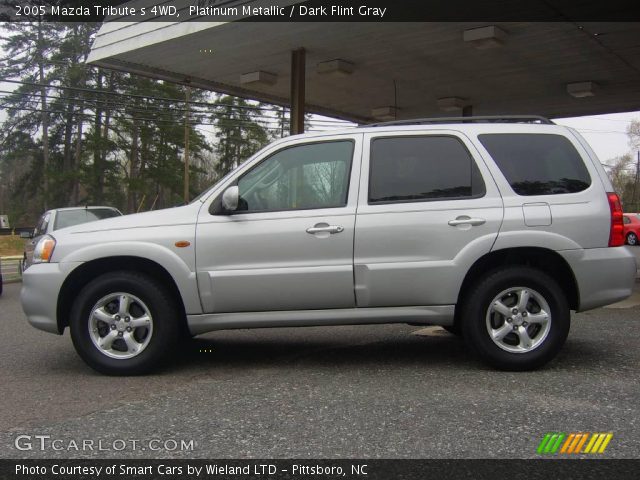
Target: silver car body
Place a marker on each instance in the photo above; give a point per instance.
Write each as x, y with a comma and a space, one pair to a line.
398, 262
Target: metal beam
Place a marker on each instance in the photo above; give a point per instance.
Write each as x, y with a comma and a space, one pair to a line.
297, 91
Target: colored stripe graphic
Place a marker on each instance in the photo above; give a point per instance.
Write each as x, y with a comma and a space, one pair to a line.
550, 443
573, 443
581, 443
606, 441
543, 443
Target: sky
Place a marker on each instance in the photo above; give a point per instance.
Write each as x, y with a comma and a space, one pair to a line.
607, 134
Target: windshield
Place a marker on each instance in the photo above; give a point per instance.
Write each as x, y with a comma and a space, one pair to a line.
69, 218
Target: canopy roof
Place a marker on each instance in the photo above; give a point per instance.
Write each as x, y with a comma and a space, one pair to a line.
405, 65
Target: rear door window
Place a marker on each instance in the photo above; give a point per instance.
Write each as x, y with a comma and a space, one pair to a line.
538, 164
425, 168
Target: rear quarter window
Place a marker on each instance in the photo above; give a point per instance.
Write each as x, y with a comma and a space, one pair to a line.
537, 164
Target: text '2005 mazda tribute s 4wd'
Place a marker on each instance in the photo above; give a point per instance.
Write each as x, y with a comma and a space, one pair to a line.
493, 228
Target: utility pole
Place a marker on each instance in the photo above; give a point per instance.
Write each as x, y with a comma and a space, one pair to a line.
186, 145
45, 116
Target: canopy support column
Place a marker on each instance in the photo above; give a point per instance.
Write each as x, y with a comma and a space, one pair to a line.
297, 91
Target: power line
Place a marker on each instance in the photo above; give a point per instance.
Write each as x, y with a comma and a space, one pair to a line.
95, 104
89, 117
274, 109
123, 111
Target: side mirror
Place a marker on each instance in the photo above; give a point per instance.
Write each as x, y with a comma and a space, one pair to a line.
230, 199
24, 234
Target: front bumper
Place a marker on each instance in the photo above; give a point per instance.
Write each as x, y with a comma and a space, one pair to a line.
603, 275
41, 284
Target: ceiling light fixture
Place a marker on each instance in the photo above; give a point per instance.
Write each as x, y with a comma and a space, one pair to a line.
385, 113
485, 37
582, 89
451, 104
259, 77
336, 67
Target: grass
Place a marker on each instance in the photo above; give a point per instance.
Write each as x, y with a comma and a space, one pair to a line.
11, 245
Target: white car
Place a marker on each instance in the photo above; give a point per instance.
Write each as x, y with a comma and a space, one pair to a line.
59, 218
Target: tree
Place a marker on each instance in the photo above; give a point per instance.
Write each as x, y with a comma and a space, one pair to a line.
27, 47
633, 131
75, 134
240, 132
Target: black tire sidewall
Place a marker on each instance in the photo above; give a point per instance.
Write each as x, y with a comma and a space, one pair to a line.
475, 308
163, 312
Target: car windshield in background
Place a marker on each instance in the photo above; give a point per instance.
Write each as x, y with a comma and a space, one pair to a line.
69, 218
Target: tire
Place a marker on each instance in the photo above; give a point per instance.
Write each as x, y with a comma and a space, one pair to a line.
632, 239
132, 315
524, 340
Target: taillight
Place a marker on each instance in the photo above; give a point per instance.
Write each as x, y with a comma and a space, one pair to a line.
616, 233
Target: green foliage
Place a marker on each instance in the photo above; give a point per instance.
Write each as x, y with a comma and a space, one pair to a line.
111, 138
239, 132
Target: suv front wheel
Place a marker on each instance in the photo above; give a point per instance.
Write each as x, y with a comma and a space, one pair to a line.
517, 318
124, 323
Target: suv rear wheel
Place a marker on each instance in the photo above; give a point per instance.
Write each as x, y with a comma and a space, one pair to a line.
124, 323
517, 318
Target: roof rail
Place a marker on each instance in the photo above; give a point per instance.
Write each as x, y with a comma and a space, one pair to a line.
483, 119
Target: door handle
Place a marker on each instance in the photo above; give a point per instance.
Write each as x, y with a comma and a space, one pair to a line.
324, 228
465, 220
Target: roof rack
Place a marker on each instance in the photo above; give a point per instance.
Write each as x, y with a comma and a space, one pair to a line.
483, 119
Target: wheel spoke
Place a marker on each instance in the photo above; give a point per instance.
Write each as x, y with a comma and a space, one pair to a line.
103, 316
142, 321
501, 308
525, 339
500, 333
107, 341
524, 296
540, 317
123, 309
132, 343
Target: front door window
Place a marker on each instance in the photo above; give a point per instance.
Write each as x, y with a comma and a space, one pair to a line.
298, 178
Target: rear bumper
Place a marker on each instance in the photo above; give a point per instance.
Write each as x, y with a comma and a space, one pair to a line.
41, 285
603, 275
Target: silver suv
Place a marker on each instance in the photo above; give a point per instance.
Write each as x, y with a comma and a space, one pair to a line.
494, 228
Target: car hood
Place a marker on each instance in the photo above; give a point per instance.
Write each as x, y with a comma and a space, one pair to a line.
184, 215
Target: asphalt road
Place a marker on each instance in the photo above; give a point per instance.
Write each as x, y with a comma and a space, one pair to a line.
381, 391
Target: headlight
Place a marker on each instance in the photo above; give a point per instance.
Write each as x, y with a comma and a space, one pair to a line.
44, 249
